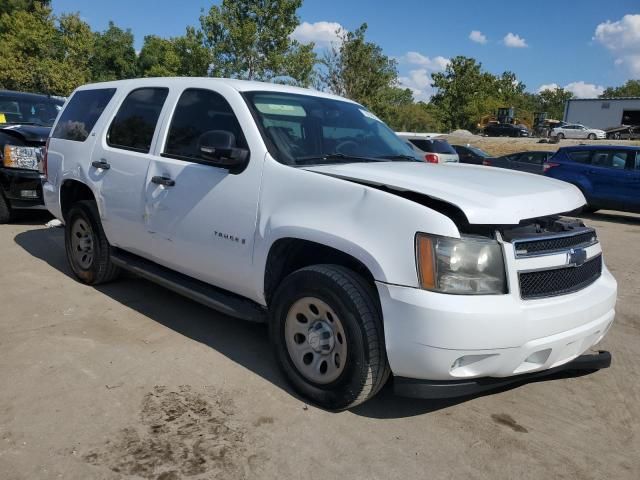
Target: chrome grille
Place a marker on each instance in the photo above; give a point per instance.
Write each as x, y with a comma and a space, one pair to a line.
559, 281
554, 244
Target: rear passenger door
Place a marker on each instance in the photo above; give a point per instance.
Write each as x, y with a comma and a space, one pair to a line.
612, 181
202, 222
119, 167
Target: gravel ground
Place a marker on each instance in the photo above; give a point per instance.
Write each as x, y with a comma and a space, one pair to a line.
129, 380
505, 145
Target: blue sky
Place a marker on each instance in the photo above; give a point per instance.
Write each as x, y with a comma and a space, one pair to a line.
584, 45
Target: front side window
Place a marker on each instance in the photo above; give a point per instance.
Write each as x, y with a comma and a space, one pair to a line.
81, 114
307, 130
198, 113
135, 123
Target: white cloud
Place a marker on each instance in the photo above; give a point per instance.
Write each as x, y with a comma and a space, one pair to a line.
478, 37
579, 89
514, 41
418, 80
584, 90
321, 33
548, 86
622, 38
434, 64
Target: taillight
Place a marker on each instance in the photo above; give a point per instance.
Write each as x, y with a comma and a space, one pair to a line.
548, 166
45, 157
486, 163
431, 158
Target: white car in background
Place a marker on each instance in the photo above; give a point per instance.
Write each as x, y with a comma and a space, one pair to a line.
578, 131
430, 148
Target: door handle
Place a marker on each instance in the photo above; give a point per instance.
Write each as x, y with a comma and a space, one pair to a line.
103, 164
166, 181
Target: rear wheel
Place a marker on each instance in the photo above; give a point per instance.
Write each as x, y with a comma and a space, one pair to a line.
6, 213
328, 337
88, 251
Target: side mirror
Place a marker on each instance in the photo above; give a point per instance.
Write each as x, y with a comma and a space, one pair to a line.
218, 148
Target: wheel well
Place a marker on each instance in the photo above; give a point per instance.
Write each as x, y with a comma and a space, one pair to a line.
290, 254
71, 192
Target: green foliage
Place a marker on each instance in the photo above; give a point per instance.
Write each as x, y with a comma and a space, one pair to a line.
13, 6
553, 102
114, 56
250, 39
159, 57
629, 89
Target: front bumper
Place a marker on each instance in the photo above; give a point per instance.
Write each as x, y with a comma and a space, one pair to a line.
432, 336
434, 389
22, 188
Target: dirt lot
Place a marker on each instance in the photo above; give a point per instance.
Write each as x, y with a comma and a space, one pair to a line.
131, 381
504, 145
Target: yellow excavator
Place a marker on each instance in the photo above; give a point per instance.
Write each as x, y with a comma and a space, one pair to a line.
503, 115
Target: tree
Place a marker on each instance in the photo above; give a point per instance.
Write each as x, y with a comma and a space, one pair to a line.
359, 70
159, 57
75, 48
463, 93
553, 101
13, 6
629, 89
114, 56
251, 39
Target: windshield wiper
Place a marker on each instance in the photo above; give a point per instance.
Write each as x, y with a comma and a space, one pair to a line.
312, 159
399, 157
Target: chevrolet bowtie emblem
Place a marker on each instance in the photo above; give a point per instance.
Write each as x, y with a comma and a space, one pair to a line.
576, 257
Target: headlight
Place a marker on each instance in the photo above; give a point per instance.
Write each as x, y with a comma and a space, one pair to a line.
465, 266
22, 157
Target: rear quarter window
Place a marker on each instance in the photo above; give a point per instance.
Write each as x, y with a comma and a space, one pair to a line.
81, 114
580, 156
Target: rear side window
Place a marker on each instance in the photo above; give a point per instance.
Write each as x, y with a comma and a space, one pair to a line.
134, 124
81, 114
198, 112
609, 159
433, 146
580, 156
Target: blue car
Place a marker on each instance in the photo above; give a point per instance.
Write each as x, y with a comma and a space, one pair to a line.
608, 175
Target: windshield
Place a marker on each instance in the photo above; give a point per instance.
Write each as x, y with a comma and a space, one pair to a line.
305, 130
34, 110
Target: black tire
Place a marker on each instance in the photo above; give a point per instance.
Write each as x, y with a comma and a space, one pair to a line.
589, 209
365, 369
99, 268
591, 136
6, 213
560, 136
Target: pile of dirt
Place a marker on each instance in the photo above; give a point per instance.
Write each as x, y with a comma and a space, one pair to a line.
462, 133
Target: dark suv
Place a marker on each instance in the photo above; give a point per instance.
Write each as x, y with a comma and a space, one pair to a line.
506, 130
608, 175
25, 122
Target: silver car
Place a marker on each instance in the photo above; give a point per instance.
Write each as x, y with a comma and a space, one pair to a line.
578, 131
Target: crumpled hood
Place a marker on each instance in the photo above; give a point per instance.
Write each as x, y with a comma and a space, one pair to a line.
486, 195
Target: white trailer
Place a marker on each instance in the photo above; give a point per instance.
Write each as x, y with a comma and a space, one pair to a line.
603, 113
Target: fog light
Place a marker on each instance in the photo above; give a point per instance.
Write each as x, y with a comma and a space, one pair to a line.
29, 193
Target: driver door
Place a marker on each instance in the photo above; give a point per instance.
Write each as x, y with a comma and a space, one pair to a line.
201, 217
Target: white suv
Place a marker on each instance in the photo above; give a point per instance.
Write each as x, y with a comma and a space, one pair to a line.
302, 209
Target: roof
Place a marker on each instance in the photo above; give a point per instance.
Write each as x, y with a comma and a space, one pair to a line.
31, 96
416, 135
601, 147
200, 82
609, 99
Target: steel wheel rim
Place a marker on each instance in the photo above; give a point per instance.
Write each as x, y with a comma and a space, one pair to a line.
82, 243
315, 340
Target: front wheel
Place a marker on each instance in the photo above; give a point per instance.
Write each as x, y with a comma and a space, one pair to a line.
88, 251
591, 136
560, 136
327, 332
